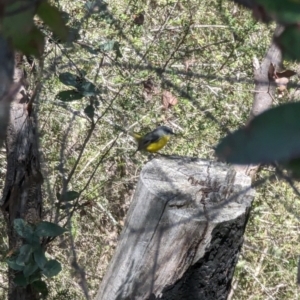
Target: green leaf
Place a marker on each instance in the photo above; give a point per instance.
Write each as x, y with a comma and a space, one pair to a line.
70, 79
41, 287
13, 265
19, 28
68, 196
289, 42
24, 254
88, 89
51, 268
108, 46
39, 257
100, 9
18, 17
33, 43
271, 136
64, 206
52, 17
65, 16
111, 46
49, 229
21, 280
35, 277
89, 111
23, 229
287, 11
96, 7
68, 96
89, 48
30, 268
73, 35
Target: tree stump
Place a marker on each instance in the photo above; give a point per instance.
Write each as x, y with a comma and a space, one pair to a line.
183, 232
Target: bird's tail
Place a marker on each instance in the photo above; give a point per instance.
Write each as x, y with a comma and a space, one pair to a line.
135, 135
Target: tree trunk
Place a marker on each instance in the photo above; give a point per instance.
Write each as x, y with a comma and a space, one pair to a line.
6, 85
183, 233
22, 191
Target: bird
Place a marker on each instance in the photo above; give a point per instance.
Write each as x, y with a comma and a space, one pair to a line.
154, 140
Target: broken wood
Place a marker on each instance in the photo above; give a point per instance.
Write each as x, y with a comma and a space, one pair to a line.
183, 233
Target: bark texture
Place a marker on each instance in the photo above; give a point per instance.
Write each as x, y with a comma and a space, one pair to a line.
22, 191
264, 87
183, 233
6, 86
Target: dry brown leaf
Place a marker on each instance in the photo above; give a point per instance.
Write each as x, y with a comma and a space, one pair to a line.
281, 85
148, 85
168, 99
285, 73
139, 19
149, 89
281, 90
282, 81
281, 78
82, 213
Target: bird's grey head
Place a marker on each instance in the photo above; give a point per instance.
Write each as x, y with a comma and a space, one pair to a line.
164, 130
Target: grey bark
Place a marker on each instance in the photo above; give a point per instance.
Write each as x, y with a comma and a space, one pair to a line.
22, 191
183, 233
6, 86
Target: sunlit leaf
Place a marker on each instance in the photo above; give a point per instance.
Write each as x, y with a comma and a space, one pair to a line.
271, 136
51, 268
68, 96
52, 17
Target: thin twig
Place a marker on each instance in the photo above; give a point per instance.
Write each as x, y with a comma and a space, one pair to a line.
192, 26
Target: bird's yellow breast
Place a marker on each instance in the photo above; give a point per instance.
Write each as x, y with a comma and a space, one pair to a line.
156, 146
